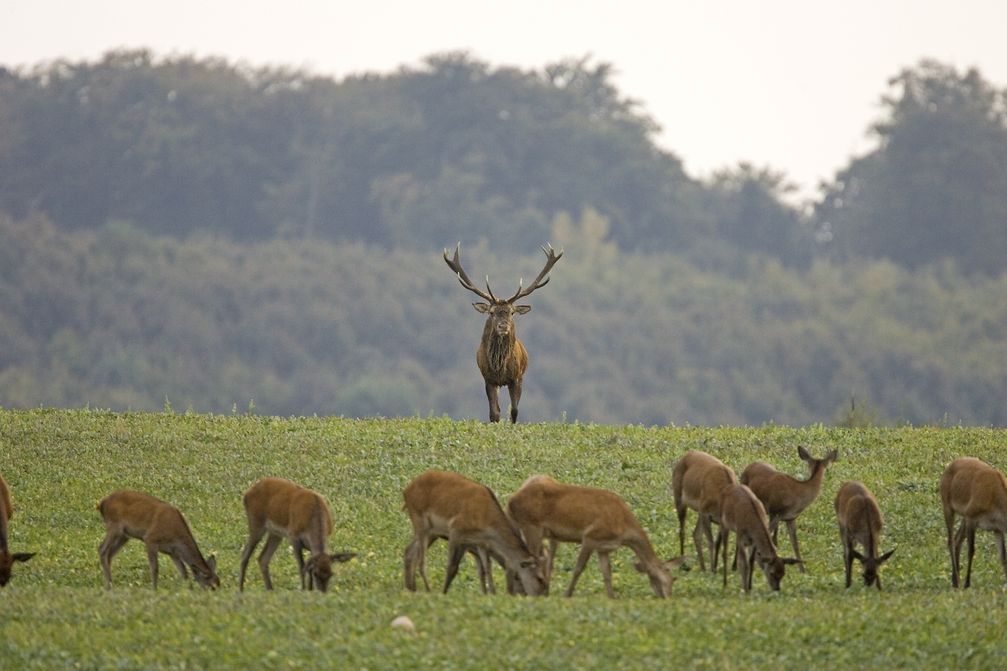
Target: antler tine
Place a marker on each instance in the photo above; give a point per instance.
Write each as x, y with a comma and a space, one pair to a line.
492, 296
551, 258
463, 278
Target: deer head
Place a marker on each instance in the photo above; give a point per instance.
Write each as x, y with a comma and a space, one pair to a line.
500, 312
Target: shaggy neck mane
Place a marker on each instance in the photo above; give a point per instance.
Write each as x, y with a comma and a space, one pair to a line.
498, 348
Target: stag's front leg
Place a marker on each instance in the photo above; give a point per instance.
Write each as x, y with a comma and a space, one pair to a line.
515, 397
491, 395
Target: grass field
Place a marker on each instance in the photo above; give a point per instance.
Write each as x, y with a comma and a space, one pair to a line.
56, 614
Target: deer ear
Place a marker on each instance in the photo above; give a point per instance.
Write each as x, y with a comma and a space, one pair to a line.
675, 563
481, 307
803, 453
885, 556
856, 555
211, 561
792, 560
522, 309
342, 556
22, 556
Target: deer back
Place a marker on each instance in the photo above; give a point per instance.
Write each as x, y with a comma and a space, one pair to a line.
743, 513
293, 511
859, 514
974, 489
569, 512
159, 525
440, 502
697, 480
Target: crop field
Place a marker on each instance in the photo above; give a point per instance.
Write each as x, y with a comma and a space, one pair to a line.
55, 613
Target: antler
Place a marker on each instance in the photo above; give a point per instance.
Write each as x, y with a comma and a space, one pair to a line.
551, 258
456, 266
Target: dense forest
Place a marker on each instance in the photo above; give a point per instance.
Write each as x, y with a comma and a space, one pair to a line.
197, 233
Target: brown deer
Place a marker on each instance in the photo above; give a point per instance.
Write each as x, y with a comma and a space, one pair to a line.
130, 514
501, 357
860, 521
442, 504
978, 492
697, 480
785, 497
7, 558
596, 518
743, 513
284, 509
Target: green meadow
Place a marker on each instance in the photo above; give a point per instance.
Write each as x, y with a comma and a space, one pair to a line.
55, 613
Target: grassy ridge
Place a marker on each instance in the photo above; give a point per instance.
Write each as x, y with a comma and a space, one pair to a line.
60, 463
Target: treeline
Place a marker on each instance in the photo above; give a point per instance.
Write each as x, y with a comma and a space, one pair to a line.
455, 149
118, 318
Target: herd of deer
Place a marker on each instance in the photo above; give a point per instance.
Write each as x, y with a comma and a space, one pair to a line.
445, 505
275, 506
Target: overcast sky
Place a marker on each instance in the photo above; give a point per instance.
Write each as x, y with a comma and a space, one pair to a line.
790, 84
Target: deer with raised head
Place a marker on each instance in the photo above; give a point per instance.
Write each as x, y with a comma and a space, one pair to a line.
284, 509
697, 480
860, 521
978, 492
131, 514
596, 518
501, 357
786, 497
7, 558
441, 504
743, 513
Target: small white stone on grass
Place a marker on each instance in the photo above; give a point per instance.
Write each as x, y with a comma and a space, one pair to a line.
404, 623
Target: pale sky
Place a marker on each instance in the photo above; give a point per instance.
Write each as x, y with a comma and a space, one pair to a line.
789, 84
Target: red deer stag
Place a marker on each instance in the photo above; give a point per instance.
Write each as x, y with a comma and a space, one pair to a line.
501, 357
284, 509
860, 521
978, 492
7, 558
161, 527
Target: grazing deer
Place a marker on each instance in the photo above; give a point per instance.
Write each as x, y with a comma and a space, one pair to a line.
978, 492
501, 357
129, 514
284, 509
785, 497
697, 480
596, 518
447, 505
7, 558
860, 521
743, 513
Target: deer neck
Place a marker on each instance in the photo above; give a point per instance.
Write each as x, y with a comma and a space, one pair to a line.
759, 533
640, 544
809, 489
498, 346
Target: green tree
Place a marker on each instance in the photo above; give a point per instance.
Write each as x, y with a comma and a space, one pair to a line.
936, 186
